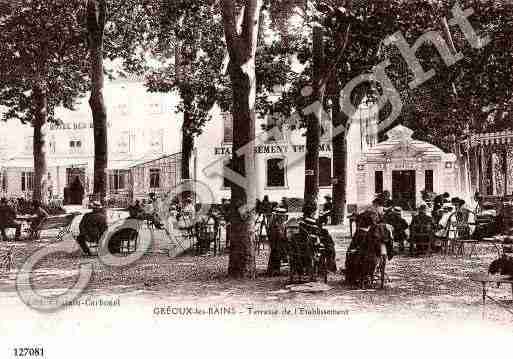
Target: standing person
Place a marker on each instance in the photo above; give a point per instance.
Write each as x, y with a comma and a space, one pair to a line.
8, 220
40, 214
278, 240
92, 226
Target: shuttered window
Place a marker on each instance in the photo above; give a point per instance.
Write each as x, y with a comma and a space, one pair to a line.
378, 182
228, 128
276, 172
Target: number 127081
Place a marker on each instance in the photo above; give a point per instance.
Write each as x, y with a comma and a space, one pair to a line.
28, 352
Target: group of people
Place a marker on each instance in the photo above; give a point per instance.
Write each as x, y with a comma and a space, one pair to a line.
382, 224
94, 223
371, 241
9, 218
302, 243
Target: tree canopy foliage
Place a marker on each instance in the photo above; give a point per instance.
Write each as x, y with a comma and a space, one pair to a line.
43, 44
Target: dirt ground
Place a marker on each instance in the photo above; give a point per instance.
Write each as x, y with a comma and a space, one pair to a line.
435, 288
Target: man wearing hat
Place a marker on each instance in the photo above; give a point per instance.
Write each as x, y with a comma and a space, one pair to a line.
438, 204
92, 226
421, 225
277, 241
301, 251
399, 225
8, 220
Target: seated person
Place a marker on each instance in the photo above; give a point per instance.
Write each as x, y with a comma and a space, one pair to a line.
40, 214
150, 212
329, 247
136, 210
421, 225
8, 220
438, 204
399, 225
362, 254
302, 248
92, 226
277, 242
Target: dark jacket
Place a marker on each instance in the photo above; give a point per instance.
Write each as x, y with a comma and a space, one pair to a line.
7, 214
421, 223
92, 225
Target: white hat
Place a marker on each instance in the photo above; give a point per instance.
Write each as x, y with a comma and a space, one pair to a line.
96, 205
280, 210
310, 221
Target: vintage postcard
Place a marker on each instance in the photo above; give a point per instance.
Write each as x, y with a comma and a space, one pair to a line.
179, 177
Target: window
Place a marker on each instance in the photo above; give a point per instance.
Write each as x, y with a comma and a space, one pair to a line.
29, 143
124, 109
154, 108
428, 184
52, 144
228, 128
324, 171
118, 180
75, 146
75, 143
378, 182
27, 181
123, 142
276, 172
157, 140
155, 178
4, 181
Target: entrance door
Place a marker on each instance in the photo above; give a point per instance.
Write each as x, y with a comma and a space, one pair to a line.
403, 189
74, 191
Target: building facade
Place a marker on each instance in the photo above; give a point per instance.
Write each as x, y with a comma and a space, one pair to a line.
405, 167
145, 128
140, 126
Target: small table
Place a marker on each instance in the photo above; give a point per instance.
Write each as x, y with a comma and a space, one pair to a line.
485, 278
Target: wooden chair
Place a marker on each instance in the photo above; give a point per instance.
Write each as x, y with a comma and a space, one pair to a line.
459, 231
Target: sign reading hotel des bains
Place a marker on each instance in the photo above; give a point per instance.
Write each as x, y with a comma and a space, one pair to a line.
273, 148
73, 126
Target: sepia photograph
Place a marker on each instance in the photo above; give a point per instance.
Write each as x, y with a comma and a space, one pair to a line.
301, 177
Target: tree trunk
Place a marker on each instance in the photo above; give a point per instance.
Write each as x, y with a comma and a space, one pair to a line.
242, 249
40, 190
242, 52
313, 128
339, 186
96, 14
187, 144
